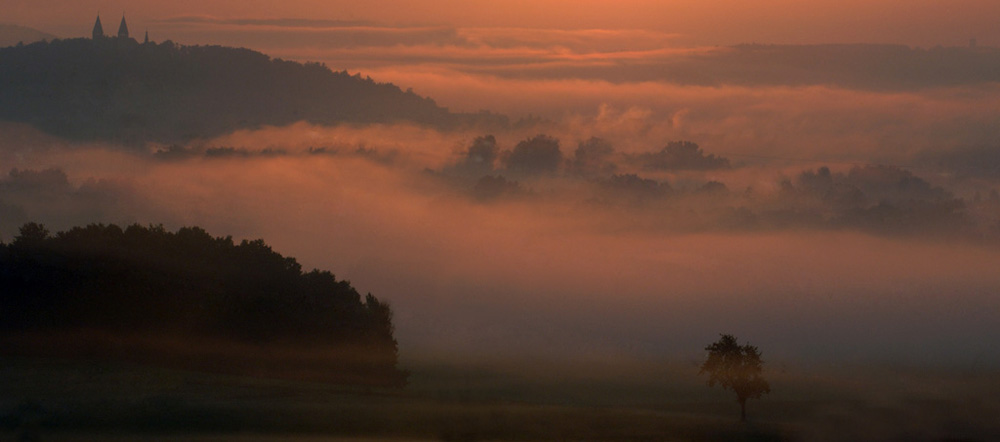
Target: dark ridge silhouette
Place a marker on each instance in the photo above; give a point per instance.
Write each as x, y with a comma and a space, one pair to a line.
978, 161
866, 66
117, 89
141, 282
874, 67
11, 35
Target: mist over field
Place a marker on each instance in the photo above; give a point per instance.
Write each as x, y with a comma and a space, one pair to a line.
605, 253
561, 201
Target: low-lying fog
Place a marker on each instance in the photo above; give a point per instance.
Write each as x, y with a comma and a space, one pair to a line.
612, 248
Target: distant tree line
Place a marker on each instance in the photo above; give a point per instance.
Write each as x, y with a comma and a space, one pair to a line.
149, 280
541, 155
123, 91
873, 198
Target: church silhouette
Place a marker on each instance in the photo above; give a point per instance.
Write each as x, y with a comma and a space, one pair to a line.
98, 32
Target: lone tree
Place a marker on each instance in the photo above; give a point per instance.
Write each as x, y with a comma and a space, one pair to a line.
736, 367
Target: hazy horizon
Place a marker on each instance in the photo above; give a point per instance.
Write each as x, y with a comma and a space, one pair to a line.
922, 23
392, 208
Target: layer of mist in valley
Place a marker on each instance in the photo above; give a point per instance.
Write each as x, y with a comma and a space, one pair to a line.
560, 220
490, 245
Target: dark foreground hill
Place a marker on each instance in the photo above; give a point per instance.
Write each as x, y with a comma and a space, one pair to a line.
147, 293
121, 90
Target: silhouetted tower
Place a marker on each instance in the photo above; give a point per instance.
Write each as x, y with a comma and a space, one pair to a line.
146, 39
123, 28
98, 29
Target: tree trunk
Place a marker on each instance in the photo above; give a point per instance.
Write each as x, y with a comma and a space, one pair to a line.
743, 410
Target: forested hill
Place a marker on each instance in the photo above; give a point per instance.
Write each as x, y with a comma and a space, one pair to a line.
138, 283
124, 91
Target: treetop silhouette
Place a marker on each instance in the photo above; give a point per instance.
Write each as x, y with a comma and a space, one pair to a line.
147, 281
736, 368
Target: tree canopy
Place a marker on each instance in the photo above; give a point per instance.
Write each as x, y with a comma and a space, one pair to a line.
146, 279
736, 368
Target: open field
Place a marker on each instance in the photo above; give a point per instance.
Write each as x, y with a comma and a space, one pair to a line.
54, 400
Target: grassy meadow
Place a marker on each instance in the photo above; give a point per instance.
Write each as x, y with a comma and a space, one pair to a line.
63, 400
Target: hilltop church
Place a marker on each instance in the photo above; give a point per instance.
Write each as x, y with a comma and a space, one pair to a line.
122, 30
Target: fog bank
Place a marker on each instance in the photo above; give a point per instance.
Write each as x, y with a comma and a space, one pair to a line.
553, 273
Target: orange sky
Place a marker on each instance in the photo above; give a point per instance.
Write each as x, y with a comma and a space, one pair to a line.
918, 22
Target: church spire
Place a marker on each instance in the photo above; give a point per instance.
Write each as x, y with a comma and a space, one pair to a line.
123, 28
98, 29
